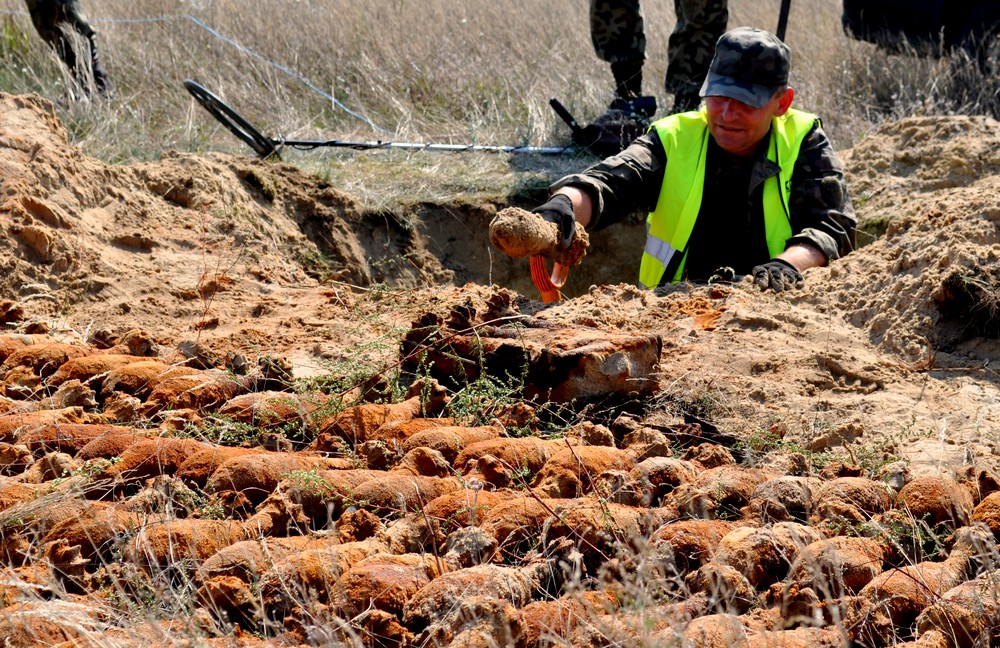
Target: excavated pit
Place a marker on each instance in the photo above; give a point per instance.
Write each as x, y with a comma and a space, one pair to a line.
458, 236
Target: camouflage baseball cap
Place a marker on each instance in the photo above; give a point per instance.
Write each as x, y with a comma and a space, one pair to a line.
750, 65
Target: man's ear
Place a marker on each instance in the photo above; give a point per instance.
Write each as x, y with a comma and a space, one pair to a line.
785, 101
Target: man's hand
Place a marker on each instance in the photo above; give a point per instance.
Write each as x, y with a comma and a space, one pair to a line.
778, 275
559, 210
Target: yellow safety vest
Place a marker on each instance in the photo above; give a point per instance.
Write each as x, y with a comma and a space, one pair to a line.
684, 137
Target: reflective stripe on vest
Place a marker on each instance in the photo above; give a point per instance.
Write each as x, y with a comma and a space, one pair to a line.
684, 137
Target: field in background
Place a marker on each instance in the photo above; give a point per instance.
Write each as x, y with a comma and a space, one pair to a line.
429, 70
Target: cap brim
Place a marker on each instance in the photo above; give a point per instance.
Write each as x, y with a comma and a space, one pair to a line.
754, 95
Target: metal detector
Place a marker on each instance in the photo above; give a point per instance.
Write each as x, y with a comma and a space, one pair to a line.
266, 147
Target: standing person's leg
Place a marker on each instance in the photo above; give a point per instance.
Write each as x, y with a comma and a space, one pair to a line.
46, 16
699, 25
51, 18
42, 17
74, 16
616, 31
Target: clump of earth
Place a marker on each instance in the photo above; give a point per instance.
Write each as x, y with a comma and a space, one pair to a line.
520, 233
202, 368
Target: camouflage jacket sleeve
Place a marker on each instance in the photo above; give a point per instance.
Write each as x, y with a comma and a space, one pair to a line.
821, 209
622, 184
822, 213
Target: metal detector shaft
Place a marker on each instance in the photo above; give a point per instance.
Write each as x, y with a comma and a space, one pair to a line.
268, 146
418, 146
786, 6
565, 116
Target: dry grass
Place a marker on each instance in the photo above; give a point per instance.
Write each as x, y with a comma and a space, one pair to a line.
472, 72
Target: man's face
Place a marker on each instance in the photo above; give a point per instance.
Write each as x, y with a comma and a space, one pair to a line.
738, 127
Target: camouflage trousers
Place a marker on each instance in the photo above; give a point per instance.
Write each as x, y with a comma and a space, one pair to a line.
52, 19
48, 15
616, 30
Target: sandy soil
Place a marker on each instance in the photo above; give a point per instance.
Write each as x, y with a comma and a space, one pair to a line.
119, 473
240, 256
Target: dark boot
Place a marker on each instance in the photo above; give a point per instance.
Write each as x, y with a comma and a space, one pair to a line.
628, 79
627, 117
101, 79
625, 120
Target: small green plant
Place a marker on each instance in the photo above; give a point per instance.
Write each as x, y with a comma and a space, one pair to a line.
212, 508
972, 295
521, 477
350, 500
309, 481
872, 457
223, 431
360, 372
379, 291
911, 540
94, 467
478, 401
127, 589
318, 265
261, 182
760, 444
11, 522
14, 41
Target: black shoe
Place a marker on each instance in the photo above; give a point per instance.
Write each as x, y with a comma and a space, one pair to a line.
624, 120
639, 107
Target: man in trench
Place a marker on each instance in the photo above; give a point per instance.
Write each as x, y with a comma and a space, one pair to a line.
746, 185
54, 20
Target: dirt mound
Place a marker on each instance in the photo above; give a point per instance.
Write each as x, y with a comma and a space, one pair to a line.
220, 256
205, 241
931, 283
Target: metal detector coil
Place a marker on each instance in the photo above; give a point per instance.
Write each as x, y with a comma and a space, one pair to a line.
265, 147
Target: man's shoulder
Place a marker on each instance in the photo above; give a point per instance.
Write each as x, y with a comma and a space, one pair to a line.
800, 119
683, 130
682, 119
817, 154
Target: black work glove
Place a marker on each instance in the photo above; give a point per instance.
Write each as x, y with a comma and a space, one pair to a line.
724, 274
778, 275
559, 210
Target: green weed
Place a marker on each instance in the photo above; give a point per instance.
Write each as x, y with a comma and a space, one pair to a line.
479, 401
94, 467
223, 431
